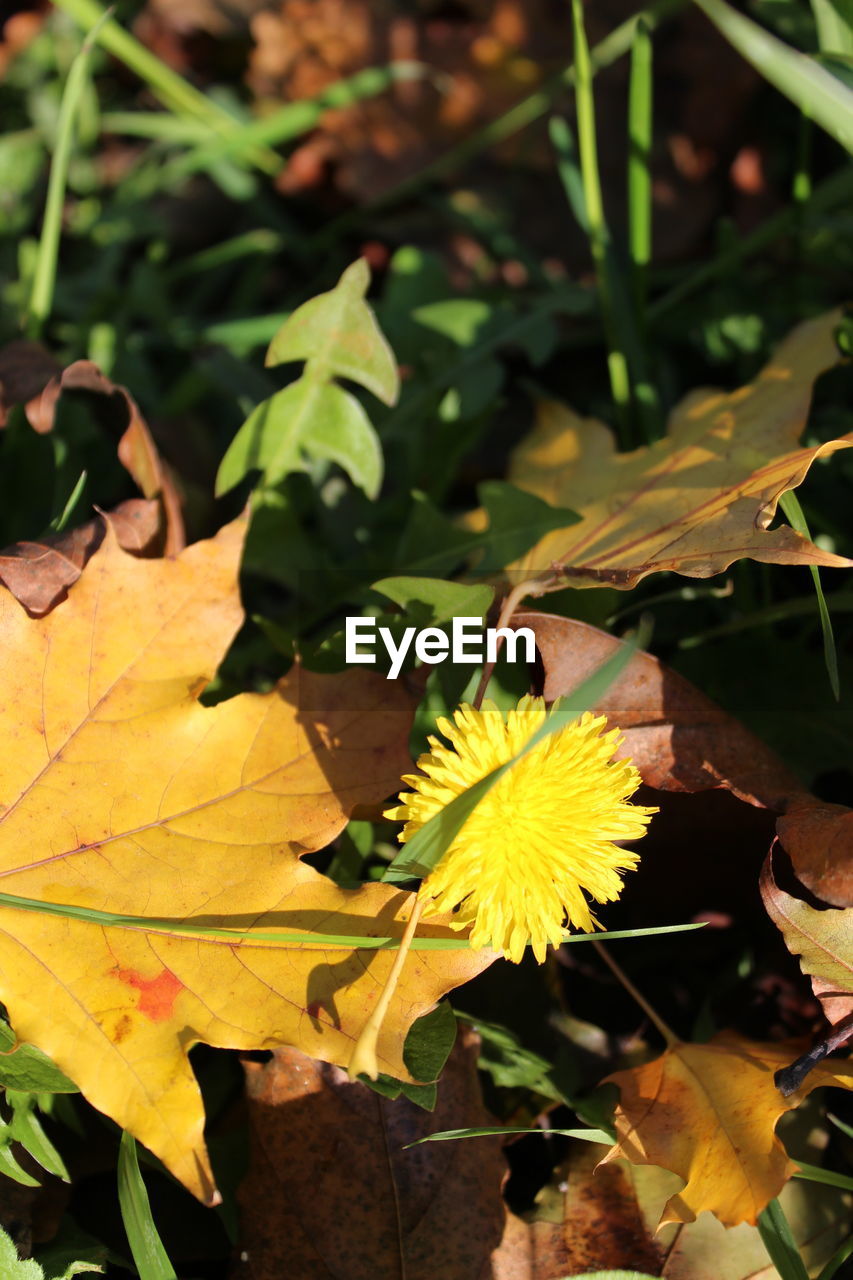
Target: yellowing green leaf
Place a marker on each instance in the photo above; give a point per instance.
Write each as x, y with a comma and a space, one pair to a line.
336, 334
122, 793
822, 939
708, 1112
696, 500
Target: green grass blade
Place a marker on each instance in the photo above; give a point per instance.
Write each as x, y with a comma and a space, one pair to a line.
563, 142
294, 119
639, 165
177, 928
834, 192
834, 22
169, 88
790, 504
427, 845
150, 1257
813, 1173
451, 1135
842, 1253
47, 256
597, 229
513, 121
814, 90
780, 1243
60, 521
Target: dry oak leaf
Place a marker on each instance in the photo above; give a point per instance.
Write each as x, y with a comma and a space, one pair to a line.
708, 1112
122, 793
38, 574
693, 502
334, 1191
676, 736
822, 939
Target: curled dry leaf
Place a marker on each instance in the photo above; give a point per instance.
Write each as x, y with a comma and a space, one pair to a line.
682, 741
822, 939
120, 416
121, 793
708, 1112
38, 574
696, 500
678, 739
818, 838
350, 1202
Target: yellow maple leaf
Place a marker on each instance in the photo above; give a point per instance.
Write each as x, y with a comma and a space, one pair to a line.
708, 1112
122, 794
696, 500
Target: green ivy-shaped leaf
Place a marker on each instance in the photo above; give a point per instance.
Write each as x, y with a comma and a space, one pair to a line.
336, 334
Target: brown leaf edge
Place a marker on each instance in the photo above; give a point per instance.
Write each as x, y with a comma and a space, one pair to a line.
39, 573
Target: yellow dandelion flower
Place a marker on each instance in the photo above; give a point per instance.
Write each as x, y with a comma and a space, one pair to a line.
540, 840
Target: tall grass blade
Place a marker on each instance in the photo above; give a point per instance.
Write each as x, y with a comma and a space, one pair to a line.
568, 170
639, 164
834, 21
780, 1244
47, 255
295, 118
790, 504
836, 1262
597, 229
168, 87
518, 117
150, 1257
814, 90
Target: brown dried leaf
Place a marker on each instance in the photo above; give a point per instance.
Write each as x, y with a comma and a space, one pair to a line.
818, 838
679, 739
332, 1194
38, 574
696, 500
822, 939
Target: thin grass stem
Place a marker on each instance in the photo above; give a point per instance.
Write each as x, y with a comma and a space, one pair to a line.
47, 256
654, 1017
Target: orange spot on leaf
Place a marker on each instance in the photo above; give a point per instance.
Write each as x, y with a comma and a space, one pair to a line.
157, 995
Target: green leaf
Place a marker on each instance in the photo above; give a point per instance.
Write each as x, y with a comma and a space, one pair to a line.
11, 1266
150, 1257
418, 857
433, 600
815, 91
341, 432
462, 320
425, 1052
314, 418
509, 1064
72, 1252
517, 520
9, 1165
430, 543
25, 1128
337, 334
834, 21
26, 1068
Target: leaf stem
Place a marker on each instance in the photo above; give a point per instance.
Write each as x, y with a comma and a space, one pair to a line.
532, 587
363, 1060
654, 1017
